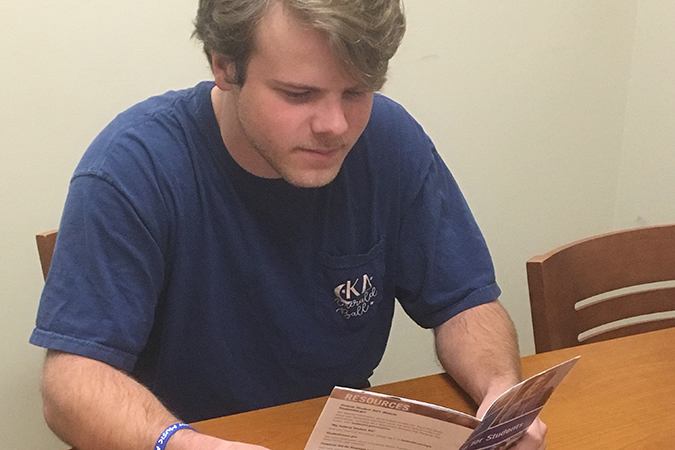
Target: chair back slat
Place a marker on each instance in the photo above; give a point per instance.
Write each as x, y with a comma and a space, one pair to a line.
625, 306
637, 328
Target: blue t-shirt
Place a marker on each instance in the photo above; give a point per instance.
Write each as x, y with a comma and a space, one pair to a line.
224, 292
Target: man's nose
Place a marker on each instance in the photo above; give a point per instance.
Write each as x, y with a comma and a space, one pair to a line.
330, 118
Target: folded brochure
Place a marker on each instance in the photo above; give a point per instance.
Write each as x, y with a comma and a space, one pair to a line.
361, 420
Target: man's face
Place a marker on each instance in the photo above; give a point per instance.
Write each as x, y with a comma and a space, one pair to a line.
298, 113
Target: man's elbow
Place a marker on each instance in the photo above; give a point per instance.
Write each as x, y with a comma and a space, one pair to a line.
53, 385
49, 413
46, 388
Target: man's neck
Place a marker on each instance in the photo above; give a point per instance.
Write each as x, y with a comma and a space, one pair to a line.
235, 140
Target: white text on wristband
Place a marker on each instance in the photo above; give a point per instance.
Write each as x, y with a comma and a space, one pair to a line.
166, 434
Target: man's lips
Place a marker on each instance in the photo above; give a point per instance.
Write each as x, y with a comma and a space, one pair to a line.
322, 151
321, 155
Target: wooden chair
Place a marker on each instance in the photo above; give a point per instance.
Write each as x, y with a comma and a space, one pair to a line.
45, 245
565, 286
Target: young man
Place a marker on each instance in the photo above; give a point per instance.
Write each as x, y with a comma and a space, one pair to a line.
240, 244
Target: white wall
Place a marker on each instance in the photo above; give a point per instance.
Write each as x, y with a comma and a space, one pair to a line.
67, 67
646, 194
526, 101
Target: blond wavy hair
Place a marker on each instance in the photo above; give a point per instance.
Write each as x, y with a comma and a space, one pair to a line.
364, 34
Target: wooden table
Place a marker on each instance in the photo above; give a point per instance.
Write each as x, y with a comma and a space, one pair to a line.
619, 396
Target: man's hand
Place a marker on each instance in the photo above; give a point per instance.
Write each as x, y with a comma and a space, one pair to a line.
191, 440
533, 439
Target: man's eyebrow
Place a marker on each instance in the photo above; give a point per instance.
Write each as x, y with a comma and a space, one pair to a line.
307, 87
296, 86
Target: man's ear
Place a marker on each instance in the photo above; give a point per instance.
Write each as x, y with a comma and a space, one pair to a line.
223, 71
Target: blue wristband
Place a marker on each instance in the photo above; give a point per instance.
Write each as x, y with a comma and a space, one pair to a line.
166, 434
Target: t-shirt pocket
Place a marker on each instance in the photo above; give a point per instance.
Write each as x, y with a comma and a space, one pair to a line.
354, 284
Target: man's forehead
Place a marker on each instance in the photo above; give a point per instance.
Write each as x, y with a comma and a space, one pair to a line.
290, 51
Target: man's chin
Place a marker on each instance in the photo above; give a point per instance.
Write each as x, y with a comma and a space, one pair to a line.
311, 179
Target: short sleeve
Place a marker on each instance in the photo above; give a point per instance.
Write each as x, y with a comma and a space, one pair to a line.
106, 275
444, 266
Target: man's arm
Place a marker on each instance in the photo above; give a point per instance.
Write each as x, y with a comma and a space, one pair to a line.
92, 405
479, 349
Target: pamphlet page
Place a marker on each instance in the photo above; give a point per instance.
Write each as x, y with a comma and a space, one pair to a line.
360, 420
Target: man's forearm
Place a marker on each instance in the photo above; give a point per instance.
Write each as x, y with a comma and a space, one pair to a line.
92, 405
479, 349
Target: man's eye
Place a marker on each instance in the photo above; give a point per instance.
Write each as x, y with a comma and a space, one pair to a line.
297, 96
353, 95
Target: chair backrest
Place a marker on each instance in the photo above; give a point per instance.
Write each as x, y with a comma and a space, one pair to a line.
45, 245
602, 287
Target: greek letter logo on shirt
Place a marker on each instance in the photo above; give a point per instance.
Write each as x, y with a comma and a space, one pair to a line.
354, 298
